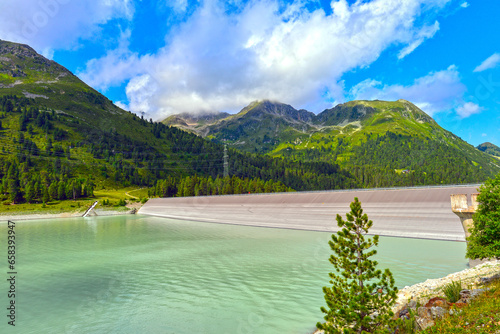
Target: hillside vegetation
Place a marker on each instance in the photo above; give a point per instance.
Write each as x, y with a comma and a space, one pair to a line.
61, 139
490, 149
382, 143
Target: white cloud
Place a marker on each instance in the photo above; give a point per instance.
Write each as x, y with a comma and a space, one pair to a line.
122, 105
464, 4
421, 36
490, 62
177, 5
265, 50
142, 92
112, 69
435, 92
57, 23
467, 109
484, 135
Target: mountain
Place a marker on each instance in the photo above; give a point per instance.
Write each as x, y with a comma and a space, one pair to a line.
194, 123
60, 136
256, 128
489, 148
376, 140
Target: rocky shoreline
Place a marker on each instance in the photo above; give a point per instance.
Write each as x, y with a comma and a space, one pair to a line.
471, 278
424, 293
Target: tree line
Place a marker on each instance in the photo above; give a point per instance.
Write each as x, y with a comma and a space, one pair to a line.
204, 186
45, 143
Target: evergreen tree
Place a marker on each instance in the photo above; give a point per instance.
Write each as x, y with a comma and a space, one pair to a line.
360, 298
53, 191
48, 147
45, 195
70, 190
61, 190
14, 191
9, 107
29, 192
484, 241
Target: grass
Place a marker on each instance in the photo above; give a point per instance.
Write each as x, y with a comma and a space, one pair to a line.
113, 196
481, 315
53, 207
452, 291
138, 193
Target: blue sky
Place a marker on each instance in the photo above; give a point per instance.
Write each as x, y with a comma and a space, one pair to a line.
163, 57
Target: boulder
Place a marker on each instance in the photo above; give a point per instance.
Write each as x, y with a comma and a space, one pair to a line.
438, 302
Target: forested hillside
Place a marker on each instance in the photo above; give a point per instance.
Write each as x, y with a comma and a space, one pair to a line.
61, 140
490, 149
382, 143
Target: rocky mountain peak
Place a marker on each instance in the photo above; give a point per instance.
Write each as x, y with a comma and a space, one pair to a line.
20, 60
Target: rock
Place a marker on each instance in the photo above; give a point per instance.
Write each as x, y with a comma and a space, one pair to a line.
438, 302
412, 304
404, 313
476, 292
424, 323
424, 312
438, 312
485, 280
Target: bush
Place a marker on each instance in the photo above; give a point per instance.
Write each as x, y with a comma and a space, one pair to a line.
452, 291
484, 240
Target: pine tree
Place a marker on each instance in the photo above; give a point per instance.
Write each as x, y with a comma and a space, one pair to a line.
360, 298
29, 192
61, 190
45, 195
53, 189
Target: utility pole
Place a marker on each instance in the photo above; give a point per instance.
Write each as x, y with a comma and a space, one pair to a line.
226, 163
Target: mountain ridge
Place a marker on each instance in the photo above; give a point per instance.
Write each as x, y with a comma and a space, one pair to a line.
345, 133
489, 148
59, 136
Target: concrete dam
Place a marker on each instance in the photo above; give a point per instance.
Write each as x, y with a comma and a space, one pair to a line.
417, 212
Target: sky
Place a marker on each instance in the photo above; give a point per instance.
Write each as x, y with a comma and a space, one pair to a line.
161, 57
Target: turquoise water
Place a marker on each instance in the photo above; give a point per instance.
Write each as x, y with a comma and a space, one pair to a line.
139, 274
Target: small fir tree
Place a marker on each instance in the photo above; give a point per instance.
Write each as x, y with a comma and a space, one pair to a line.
361, 297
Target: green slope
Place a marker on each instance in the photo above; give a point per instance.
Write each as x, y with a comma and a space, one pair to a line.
489, 148
376, 140
59, 134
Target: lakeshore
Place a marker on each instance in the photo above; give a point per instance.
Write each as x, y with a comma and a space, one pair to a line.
130, 209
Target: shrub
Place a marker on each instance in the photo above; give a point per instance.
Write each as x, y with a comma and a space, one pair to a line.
484, 240
452, 291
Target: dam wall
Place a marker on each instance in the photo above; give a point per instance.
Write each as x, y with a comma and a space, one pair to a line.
418, 212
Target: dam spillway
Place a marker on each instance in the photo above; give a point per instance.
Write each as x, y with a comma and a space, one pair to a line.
418, 212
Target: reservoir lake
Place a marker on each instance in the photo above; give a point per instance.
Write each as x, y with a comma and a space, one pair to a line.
142, 274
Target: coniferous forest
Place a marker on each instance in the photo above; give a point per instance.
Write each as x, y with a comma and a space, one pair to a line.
49, 155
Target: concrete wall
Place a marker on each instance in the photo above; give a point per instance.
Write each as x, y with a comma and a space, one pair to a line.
421, 212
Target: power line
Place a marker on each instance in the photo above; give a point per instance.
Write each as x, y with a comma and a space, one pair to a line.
226, 163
